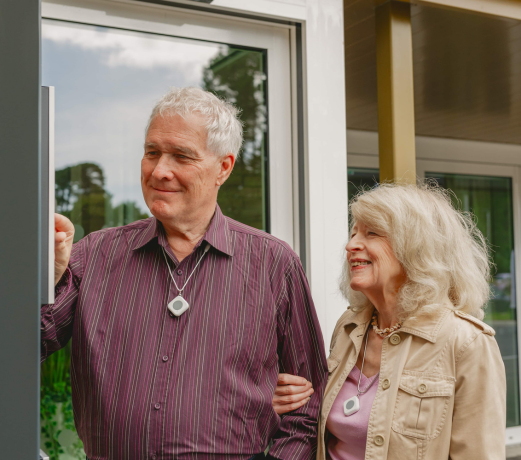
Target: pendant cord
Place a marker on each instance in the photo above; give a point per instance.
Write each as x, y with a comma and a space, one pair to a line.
360, 376
180, 291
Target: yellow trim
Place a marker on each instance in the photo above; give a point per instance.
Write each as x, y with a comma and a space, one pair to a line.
395, 93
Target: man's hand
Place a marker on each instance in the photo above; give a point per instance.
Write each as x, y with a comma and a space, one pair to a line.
63, 236
292, 392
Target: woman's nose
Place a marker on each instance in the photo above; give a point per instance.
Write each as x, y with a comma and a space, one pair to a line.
354, 245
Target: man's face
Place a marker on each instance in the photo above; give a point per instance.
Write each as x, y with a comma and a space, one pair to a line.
180, 178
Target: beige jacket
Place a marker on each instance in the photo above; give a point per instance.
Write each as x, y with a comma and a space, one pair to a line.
441, 391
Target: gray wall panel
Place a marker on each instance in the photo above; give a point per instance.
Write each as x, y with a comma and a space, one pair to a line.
19, 228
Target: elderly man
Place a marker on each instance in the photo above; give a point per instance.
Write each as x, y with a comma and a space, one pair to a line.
181, 322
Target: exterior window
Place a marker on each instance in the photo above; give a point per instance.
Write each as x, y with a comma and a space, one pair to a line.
107, 81
490, 199
361, 179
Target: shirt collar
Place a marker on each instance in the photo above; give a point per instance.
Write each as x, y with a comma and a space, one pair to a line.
218, 233
424, 325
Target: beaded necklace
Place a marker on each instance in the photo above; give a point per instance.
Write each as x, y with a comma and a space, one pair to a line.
383, 332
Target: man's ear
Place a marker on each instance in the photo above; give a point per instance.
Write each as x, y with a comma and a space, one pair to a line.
227, 163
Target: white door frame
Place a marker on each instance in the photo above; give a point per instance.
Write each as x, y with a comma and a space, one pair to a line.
272, 37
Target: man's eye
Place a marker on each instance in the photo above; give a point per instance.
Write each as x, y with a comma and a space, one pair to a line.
373, 233
152, 152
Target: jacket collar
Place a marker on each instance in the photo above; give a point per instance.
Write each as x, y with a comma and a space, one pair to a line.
218, 234
424, 325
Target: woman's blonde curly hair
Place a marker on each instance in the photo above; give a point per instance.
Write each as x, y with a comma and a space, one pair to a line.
443, 253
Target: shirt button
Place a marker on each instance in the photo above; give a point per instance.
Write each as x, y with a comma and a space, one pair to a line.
165, 358
386, 384
395, 339
179, 272
422, 388
157, 406
153, 457
379, 440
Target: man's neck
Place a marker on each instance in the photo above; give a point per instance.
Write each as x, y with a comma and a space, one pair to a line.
182, 237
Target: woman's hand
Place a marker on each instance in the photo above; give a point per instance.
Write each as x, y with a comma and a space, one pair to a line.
292, 392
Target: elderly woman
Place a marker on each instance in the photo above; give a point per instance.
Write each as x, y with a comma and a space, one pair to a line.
413, 371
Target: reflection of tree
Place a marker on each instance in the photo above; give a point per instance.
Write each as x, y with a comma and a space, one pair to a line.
238, 76
82, 197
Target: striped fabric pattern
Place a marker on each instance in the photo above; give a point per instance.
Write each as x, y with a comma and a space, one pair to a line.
149, 385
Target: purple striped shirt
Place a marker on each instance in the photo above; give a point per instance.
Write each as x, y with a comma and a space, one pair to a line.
149, 385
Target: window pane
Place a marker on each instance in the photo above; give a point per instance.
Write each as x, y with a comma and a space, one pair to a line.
361, 178
107, 81
490, 199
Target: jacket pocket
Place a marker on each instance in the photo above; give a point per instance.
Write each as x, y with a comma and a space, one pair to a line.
422, 403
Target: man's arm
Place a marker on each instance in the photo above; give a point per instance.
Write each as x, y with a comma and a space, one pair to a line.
301, 352
57, 319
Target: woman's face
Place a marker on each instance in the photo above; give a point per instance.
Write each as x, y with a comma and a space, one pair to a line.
373, 265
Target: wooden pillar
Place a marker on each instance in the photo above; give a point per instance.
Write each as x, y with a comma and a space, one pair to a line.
395, 92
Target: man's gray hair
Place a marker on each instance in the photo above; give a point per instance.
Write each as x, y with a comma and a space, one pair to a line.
223, 127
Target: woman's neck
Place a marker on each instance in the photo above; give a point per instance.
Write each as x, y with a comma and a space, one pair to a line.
386, 304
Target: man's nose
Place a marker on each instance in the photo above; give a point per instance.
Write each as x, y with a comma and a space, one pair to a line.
164, 169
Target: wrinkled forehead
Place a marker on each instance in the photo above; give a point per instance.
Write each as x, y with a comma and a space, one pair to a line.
175, 130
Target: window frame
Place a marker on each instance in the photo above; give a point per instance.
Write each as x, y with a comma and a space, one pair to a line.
278, 42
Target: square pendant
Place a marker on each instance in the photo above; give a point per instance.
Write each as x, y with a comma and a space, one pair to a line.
178, 306
351, 406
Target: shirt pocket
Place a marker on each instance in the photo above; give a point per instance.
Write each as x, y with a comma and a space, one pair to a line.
422, 404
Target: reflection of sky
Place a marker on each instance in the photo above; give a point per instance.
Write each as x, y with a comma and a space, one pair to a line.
107, 82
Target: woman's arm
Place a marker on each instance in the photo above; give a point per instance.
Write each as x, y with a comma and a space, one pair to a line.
479, 418
291, 393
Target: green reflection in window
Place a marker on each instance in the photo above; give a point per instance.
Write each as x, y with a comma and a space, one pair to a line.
490, 200
238, 75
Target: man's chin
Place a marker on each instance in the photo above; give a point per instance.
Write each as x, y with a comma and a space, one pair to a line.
163, 212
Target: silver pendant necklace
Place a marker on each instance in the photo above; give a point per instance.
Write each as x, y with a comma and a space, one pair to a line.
352, 405
179, 305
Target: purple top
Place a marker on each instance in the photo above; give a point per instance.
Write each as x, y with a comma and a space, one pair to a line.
147, 385
348, 434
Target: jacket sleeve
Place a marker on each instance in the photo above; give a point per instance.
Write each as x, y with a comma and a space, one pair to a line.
479, 418
301, 352
57, 319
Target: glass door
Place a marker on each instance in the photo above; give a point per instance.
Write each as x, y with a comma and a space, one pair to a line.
110, 63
